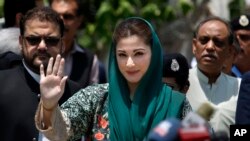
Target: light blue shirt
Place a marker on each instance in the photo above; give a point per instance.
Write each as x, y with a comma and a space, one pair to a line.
236, 71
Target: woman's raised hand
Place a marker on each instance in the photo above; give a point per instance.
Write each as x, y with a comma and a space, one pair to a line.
52, 83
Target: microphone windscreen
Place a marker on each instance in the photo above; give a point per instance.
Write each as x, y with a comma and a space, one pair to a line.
200, 117
166, 130
205, 111
195, 125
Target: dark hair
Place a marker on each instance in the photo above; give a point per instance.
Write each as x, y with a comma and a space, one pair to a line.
182, 73
84, 9
229, 29
43, 14
12, 7
133, 26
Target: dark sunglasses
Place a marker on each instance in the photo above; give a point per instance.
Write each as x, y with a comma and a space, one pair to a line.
36, 40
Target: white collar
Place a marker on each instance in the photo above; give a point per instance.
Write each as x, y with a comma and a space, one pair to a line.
33, 74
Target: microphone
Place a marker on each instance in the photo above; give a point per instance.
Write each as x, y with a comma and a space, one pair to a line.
195, 125
166, 130
200, 117
195, 133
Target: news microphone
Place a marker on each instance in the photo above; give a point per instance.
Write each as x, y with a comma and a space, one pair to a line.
195, 126
201, 133
200, 117
166, 130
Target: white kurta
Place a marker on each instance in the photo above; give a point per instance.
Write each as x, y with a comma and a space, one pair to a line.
222, 95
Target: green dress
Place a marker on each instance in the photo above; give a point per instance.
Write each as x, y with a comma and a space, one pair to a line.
87, 112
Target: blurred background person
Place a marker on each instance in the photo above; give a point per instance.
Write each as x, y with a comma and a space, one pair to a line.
176, 72
241, 28
230, 61
212, 44
10, 54
81, 64
14, 10
9, 40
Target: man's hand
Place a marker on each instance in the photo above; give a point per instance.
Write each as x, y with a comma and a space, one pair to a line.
52, 83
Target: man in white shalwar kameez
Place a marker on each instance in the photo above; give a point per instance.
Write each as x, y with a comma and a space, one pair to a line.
212, 44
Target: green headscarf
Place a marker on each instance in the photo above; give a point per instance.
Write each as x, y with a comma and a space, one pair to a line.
132, 120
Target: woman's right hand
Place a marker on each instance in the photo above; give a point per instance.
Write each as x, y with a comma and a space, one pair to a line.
52, 83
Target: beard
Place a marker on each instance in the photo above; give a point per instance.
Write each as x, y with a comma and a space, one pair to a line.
34, 62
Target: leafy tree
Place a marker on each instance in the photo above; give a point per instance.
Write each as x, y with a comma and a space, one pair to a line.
97, 35
179, 16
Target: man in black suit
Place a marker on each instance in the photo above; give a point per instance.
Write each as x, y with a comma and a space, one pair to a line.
41, 33
243, 106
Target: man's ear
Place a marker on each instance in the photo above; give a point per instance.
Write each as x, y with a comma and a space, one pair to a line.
18, 18
21, 43
194, 46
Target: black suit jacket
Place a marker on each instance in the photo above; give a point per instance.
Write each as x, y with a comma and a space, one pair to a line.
19, 98
9, 59
81, 67
243, 106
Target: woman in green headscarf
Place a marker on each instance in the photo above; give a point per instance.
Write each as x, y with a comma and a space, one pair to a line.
126, 109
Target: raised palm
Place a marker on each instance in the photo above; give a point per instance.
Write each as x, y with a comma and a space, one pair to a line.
52, 83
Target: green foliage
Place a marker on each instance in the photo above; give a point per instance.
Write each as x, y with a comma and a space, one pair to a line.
169, 13
1, 8
125, 8
237, 7
97, 36
186, 7
150, 10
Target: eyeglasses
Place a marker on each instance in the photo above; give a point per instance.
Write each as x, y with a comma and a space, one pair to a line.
36, 40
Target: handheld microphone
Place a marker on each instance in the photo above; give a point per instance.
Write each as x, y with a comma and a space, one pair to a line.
166, 130
200, 117
195, 133
201, 134
195, 125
